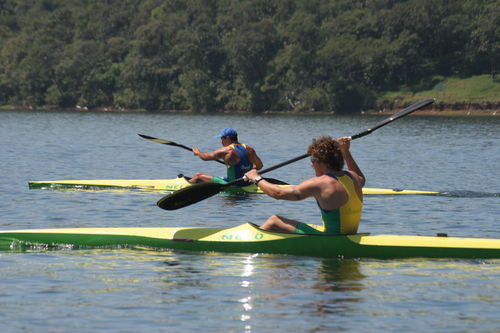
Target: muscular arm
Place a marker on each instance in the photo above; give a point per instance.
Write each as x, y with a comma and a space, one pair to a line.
302, 191
220, 153
351, 163
353, 166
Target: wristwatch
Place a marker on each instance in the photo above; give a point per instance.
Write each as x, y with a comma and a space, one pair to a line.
257, 180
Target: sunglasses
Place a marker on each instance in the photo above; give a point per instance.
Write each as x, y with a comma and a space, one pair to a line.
313, 159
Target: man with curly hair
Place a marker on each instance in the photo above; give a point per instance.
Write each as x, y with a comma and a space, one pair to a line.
338, 192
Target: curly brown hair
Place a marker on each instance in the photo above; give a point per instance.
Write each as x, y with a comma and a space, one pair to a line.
327, 150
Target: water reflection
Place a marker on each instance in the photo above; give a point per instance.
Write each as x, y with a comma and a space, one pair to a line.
339, 275
235, 200
340, 285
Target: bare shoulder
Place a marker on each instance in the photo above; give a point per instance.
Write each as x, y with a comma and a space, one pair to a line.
222, 152
313, 181
249, 149
224, 149
358, 180
310, 187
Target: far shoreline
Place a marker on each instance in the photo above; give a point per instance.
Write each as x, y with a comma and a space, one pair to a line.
426, 112
434, 112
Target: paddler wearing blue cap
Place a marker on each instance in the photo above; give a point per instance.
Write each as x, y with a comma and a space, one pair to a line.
238, 157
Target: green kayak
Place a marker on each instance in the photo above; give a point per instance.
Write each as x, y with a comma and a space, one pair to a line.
248, 238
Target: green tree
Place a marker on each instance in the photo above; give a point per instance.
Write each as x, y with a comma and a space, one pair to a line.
251, 42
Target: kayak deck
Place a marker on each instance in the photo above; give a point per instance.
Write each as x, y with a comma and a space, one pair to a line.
175, 184
248, 238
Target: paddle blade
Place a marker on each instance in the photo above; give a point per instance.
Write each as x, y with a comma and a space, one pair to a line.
189, 195
276, 181
150, 138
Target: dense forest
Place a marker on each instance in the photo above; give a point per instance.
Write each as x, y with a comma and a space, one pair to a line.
255, 55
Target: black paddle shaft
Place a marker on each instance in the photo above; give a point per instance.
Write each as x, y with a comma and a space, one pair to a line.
199, 192
170, 143
397, 115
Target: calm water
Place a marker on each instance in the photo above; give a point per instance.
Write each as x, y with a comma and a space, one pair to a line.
134, 290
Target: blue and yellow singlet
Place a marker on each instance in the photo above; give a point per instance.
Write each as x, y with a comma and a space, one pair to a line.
342, 220
239, 169
243, 166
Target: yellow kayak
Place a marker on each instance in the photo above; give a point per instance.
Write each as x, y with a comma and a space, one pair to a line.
174, 184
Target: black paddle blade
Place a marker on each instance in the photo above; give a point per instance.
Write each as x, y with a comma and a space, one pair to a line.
276, 181
189, 195
165, 142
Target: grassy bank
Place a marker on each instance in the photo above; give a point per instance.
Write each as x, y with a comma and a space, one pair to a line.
474, 94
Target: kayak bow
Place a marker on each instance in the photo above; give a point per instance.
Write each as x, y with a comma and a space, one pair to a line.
248, 238
174, 185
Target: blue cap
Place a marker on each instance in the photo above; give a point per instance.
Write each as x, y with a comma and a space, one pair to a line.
228, 131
